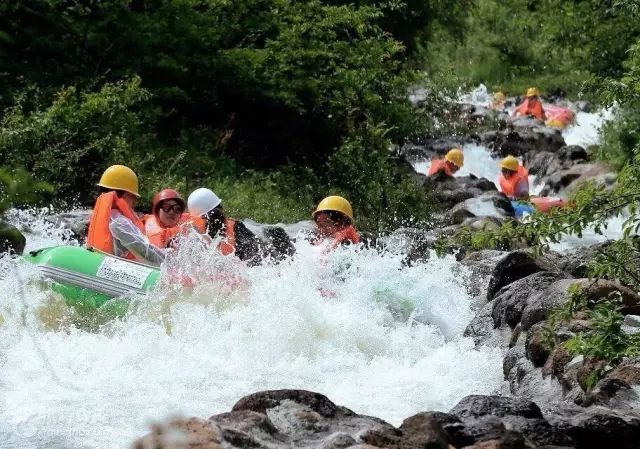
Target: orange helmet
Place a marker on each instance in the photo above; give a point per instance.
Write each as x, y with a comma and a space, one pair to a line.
166, 194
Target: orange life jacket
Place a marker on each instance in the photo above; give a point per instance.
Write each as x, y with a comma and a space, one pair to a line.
348, 234
529, 107
159, 235
439, 165
514, 186
99, 235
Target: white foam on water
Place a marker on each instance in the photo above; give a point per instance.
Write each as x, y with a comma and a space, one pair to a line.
586, 130
613, 231
378, 337
477, 97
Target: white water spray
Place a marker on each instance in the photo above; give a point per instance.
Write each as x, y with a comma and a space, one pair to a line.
376, 336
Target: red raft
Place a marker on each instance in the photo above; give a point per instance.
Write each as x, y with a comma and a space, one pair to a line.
545, 203
558, 116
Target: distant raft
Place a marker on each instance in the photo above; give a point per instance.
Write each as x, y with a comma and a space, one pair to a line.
558, 116
90, 280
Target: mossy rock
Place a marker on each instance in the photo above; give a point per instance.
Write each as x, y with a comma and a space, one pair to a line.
11, 239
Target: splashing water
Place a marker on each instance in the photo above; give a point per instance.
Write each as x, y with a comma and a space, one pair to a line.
586, 130
376, 336
477, 162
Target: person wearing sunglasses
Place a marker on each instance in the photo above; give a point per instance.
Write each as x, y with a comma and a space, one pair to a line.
333, 218
210, 219
167, 213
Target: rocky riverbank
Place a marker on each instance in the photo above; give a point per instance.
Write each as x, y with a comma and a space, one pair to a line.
557, 399
550, 405
303, 419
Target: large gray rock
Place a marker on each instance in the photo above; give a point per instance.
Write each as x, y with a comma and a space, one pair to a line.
447, 191
488, 204
511, 300
11, 239
424, 431
513, 266
474, 406
520, 140
566, 181
575, 261
428, 148
540, 305
604, 430
481, 327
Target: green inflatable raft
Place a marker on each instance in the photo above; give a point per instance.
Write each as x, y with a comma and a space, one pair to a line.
90, 280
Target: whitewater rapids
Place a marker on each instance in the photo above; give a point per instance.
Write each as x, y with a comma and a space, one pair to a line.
373, 335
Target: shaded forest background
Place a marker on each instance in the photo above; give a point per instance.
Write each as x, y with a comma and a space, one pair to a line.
275, 104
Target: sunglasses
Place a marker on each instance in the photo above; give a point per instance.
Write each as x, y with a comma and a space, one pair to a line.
333, 215
168, 208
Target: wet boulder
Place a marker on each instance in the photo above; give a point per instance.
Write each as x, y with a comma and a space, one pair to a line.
520, 140
474, 406
510, 414
489, 204
511, 300
428, 148
544, 164
11, 239
537, 349
540, 305
447, 191
599, 429
482, 330
566, 181
513, 266
424, 431
575, 261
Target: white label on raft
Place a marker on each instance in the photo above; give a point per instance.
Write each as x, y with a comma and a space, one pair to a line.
123, 272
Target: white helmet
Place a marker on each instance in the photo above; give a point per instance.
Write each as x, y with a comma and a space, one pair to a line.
202, 201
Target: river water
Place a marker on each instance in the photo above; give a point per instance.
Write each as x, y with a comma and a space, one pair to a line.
386, 340
373, 335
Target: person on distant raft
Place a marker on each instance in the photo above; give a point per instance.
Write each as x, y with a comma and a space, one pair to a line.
334, 223
452, 162
114, 227
209, 218
498, 100
167, 213
531, 106
514, 179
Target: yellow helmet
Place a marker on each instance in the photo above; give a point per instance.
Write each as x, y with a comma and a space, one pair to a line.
499, 96
510, 163
119, 177
532, 92
335, 203
456, 157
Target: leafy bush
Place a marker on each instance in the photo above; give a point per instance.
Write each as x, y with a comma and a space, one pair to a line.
602, 340
19, 188
562, 47
71, 141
